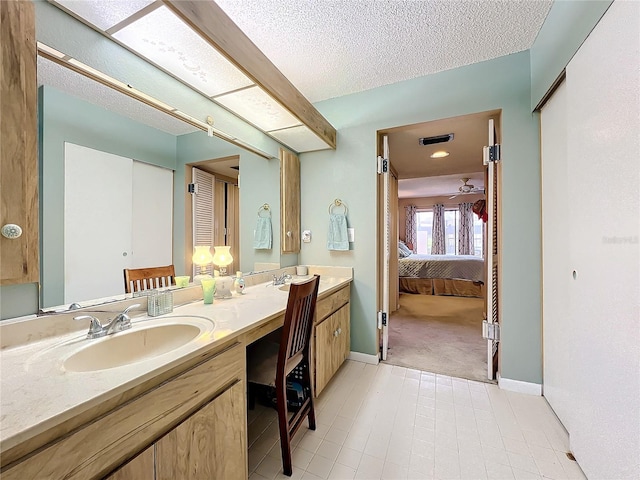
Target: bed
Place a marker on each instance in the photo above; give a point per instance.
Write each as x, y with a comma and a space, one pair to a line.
460, 275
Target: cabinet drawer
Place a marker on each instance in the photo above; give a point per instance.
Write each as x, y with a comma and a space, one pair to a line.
333, 302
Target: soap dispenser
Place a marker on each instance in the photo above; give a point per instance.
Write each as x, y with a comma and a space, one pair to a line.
238, 284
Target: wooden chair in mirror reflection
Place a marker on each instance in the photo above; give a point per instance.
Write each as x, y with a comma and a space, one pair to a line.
269, 363
137, 279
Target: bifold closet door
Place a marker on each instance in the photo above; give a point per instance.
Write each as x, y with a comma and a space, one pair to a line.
558, 323
118, 213
152, 230
97, 222
591, 294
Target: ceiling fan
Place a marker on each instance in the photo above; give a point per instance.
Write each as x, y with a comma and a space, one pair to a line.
466, 188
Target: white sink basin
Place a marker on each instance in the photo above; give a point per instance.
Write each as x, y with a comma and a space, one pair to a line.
130, 346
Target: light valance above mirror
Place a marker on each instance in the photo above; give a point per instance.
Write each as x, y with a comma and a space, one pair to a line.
190, 41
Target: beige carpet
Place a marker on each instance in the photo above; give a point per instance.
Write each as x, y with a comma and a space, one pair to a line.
439, 334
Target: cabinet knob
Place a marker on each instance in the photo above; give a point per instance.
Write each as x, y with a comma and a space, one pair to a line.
335, 334
11, 231
289, 234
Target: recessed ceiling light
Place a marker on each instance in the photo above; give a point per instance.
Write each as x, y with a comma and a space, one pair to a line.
439, 154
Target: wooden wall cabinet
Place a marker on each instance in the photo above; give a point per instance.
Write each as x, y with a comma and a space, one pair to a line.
331, 336
289, 202
18, 143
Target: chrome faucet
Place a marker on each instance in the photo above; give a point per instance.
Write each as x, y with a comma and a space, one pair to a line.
121, 321
280, 280
118, 324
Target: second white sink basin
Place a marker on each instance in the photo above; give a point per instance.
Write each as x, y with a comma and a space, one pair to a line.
130, 346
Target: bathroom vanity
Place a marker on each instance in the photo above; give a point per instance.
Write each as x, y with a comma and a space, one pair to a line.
178, 414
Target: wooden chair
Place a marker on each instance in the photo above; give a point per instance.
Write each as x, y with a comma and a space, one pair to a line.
293, 351
136, 279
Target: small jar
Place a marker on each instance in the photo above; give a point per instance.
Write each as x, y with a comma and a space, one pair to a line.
238, 284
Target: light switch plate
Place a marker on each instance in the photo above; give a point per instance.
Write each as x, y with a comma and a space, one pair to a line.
351, 234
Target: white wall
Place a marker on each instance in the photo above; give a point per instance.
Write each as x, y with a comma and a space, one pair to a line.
592, 360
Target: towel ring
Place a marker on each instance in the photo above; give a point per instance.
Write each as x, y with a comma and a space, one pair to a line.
264, 208
338, 203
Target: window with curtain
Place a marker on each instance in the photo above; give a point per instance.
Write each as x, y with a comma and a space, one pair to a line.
424, 225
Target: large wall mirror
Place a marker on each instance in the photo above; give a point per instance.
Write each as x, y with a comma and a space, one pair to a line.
80, 119
86, 124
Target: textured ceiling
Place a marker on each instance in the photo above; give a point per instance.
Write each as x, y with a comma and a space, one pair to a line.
330, 48
423, 176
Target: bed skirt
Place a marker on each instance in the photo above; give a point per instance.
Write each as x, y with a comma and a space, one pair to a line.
441, 286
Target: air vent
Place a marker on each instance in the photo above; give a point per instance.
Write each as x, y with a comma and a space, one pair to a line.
437, 139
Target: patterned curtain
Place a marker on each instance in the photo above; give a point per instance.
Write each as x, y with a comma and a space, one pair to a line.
410, 227
465, 233
438, 246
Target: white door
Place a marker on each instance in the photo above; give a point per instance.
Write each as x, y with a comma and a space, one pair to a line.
591, 222
386, 239
97, 223
491, 323
556, 253
152, 231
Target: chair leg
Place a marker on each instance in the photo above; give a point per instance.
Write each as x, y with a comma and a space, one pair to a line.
283, 423
306, 378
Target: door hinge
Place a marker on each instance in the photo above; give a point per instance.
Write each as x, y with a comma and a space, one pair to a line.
490, 331
383, 165
382, 319
192, 188
491, 154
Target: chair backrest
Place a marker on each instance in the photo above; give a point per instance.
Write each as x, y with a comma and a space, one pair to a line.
298, 323
136, 279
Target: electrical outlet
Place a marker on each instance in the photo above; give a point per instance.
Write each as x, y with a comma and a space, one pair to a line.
351, 234
306, 236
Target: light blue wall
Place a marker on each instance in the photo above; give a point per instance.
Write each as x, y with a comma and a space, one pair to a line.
350, 174
565, 28
68, 119
259, 184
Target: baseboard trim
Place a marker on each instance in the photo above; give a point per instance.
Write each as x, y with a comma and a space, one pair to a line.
364, 358
520, 386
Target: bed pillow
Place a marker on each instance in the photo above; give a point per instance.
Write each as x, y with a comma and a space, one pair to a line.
402, 253
402, 246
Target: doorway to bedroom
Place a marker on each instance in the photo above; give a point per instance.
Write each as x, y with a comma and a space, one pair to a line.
436, 281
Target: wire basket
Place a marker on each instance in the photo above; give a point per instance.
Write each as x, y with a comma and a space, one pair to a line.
145, 293
160, 303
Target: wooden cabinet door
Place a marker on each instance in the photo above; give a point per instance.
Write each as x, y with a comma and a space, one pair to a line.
343, 339
289, 202
322, 348
18, 143
209, 444
331, 346
139, 468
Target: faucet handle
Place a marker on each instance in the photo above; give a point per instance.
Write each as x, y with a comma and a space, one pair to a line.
130, 307
95, 327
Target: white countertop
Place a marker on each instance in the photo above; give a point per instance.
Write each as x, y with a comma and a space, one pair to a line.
37, 393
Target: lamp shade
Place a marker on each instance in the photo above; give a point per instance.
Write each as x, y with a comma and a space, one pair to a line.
222, 256
202, 255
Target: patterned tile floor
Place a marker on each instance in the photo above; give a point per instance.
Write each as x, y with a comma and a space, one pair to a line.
389, 422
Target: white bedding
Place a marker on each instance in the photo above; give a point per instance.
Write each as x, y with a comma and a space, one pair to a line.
466, 267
